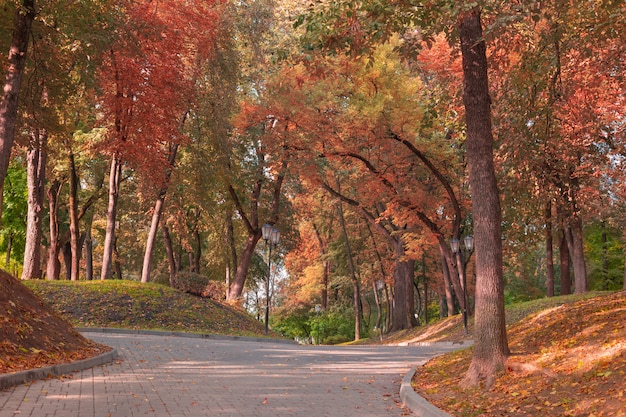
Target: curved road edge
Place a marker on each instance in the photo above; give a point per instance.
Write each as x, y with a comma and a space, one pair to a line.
16, 378
418, 405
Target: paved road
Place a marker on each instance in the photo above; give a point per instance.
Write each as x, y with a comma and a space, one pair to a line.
169, 376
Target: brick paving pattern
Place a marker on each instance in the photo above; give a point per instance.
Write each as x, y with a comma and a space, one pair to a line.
170, 376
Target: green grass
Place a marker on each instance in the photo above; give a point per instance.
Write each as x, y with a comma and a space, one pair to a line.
133, 305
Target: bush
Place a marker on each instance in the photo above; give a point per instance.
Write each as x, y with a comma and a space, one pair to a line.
333, 327
199, 285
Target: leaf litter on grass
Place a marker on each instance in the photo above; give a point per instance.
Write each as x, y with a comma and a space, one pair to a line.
569, 360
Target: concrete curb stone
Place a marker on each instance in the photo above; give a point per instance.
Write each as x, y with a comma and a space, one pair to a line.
16, 378
414, 401
181, 334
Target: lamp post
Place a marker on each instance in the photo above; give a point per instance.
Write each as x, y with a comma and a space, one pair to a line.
456, 249
271, 236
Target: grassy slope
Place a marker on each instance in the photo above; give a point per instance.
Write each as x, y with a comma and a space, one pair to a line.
129, 304
568, 359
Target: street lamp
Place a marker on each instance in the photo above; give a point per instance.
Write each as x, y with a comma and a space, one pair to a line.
271, 236
456, 249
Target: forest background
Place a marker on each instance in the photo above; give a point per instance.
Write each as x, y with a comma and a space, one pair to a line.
341, 124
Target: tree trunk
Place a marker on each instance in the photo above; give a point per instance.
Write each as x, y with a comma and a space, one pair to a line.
156, 214
115, 177
447, 286
624, 274
7, 259
53, 268
549, 251
74, 232
605, 258
198, 254
356, 289
403, 288
564, 261
154, 226
116, 262
36, 171
574, 238
236, 288
171, 261
66, 251
88, 252
490, 339
22, 23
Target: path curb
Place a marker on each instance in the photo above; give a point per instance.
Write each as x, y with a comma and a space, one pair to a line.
181, 334
16, 378
415, 402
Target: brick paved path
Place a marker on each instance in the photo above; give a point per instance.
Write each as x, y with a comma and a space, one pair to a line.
170, 376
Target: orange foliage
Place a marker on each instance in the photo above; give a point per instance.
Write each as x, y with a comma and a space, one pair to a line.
147, 79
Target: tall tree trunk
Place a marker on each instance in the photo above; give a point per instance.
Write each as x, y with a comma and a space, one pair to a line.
66, 251
490, 339
74, 232
564, 261
402, 285
549, 251
605, 258
88, 252
22, 22
156, 213
356, 288
117, 265
171, 261
115, 178
327, 265
447, 285
154, 226
53, 268
624, 273
36, 171
236, 288
198, 237
574, 237
7, 259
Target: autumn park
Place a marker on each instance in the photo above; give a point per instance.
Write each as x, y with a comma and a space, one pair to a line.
356, 173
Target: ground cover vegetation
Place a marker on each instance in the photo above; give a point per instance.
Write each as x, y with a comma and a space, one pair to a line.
371, 134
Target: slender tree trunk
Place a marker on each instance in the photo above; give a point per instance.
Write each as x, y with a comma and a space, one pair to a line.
115, 177
88, 252
447, 285
198, 237
490, 339
22, 23
549, 251
425, 280
605, 258
326, 265
7, 259
171, 261
624, 286
74, 232
154, 225
66, 252
36, 171
117, 265
53, 268
356, 288
156, 213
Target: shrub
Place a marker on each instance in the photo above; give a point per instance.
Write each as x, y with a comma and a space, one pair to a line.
199, 285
